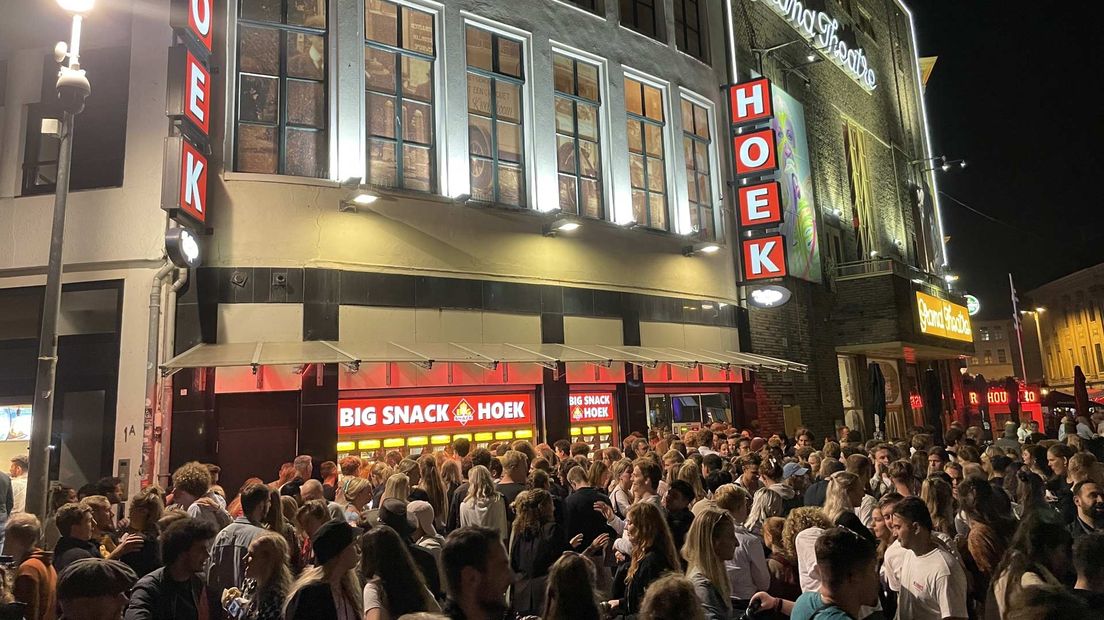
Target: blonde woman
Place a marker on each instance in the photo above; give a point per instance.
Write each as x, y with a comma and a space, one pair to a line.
267, 579
939, 498
377, 474
690, 473
764, 505
358, 492
397, 487
330, 588
710, 541
484, 505
621, 487
747, 568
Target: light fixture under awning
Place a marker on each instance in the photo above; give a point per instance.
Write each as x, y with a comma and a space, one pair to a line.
425, 355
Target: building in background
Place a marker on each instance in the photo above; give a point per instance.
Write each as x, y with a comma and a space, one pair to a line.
866, 251
996, 350
1068, 314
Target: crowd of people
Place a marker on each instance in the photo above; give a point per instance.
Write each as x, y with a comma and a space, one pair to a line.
710, 525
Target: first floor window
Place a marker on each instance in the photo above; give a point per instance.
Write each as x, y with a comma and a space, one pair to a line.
578, 151
282, 99
647, 164
642, 16
696, 144
398, 77
495, 122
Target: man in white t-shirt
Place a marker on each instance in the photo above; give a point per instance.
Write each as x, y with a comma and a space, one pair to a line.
933, 584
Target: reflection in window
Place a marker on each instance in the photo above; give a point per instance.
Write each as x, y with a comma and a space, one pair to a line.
688, 28
647, 167
696, 143
578, 152
495, 144
643, 17
282, 98
398, 77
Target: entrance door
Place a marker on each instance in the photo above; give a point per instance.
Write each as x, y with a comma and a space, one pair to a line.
257, 432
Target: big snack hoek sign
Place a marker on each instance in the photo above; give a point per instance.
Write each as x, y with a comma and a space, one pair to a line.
428, 413
822, 31
939, 317
590, 407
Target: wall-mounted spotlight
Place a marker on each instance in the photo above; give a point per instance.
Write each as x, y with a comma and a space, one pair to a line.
768, 296
703, 247
359, 198
562, 225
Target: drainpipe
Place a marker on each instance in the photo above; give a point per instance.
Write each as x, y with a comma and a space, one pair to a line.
144, 469
163, 418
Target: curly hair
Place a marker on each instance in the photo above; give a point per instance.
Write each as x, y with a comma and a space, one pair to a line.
193, 478
799, 520
532, 509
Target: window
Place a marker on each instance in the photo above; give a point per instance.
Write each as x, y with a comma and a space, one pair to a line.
988, 356
495, 144
1073, 361
578, 151
594, 6
998, 333
689, 34
865, 25
974, 360
1085, 356
282, 96
1050, 363
1002, 356
696, 144
1099, 356
983, 333
647, 167
399, 57
643, 16
99, 137
861, 196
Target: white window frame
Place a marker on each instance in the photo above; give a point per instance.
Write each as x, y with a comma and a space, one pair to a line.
528, 118
715, 172
672, 129
604, 122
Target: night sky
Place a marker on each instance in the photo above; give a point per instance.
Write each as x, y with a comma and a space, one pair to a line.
1016, 93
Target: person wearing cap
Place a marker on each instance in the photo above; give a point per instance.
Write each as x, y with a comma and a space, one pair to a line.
18, 471
425, 532
330, 588
175, 591
94, 589
395, 514
773, 476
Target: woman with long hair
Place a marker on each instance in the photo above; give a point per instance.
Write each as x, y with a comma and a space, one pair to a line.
690, 473
397, 487
377, 475
939, 497
434, 487
1035, 459
844, 495
536, 542
571, 590
1039, 554
710, 541
484, 505
653, 554
1030, 493
764, 505
452, 477
598, 475
330, 588
267, 578
621, 487
803, 548
782, 565
991, 524
393, 585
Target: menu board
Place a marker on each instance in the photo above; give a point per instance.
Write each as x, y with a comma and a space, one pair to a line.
15, 423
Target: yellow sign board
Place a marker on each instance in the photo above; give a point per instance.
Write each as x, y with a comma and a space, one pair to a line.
939, 317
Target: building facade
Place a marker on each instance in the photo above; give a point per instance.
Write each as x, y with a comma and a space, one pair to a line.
388, 262
996, 350
869, 241
1066, 319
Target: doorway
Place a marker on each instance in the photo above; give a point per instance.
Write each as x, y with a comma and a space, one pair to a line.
257, 432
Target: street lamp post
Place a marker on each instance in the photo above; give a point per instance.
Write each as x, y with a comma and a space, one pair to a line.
72, 89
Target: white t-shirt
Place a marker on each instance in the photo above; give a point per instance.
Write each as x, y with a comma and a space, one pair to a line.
933, 587
805, 546
891, 565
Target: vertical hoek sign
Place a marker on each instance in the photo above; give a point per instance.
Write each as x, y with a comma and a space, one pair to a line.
759, 204
188, 105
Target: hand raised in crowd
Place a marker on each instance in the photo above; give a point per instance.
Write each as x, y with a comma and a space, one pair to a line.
129, 543
599, 544
576, 541
605, 509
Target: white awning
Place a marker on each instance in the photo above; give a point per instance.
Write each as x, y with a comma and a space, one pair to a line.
256, 354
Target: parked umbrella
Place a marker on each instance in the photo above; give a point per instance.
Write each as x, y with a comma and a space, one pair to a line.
981, 386
877, 399
933, 404
1080, 392
1012, 388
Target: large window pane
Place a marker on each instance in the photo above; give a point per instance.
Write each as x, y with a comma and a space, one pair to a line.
496, 123
647, 163
399, 78
578, 152
699, 184
282, 88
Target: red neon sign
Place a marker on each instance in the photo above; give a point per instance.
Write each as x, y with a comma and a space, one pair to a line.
590, 407
999, 396
429, 413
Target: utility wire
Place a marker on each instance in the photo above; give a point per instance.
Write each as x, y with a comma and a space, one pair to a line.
993, 219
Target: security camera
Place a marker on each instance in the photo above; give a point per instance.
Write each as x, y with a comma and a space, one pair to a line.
72, 89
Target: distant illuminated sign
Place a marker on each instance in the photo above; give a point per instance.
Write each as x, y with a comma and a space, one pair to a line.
590, 406
939, 317
973, 305
428, 413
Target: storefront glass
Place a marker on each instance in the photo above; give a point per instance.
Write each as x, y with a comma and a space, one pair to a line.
682, 412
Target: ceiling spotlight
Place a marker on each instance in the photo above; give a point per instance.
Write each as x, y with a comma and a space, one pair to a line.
704, 247
562, 225
1040, 309
76, 6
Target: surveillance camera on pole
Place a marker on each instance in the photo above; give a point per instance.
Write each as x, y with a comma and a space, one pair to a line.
72, 91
